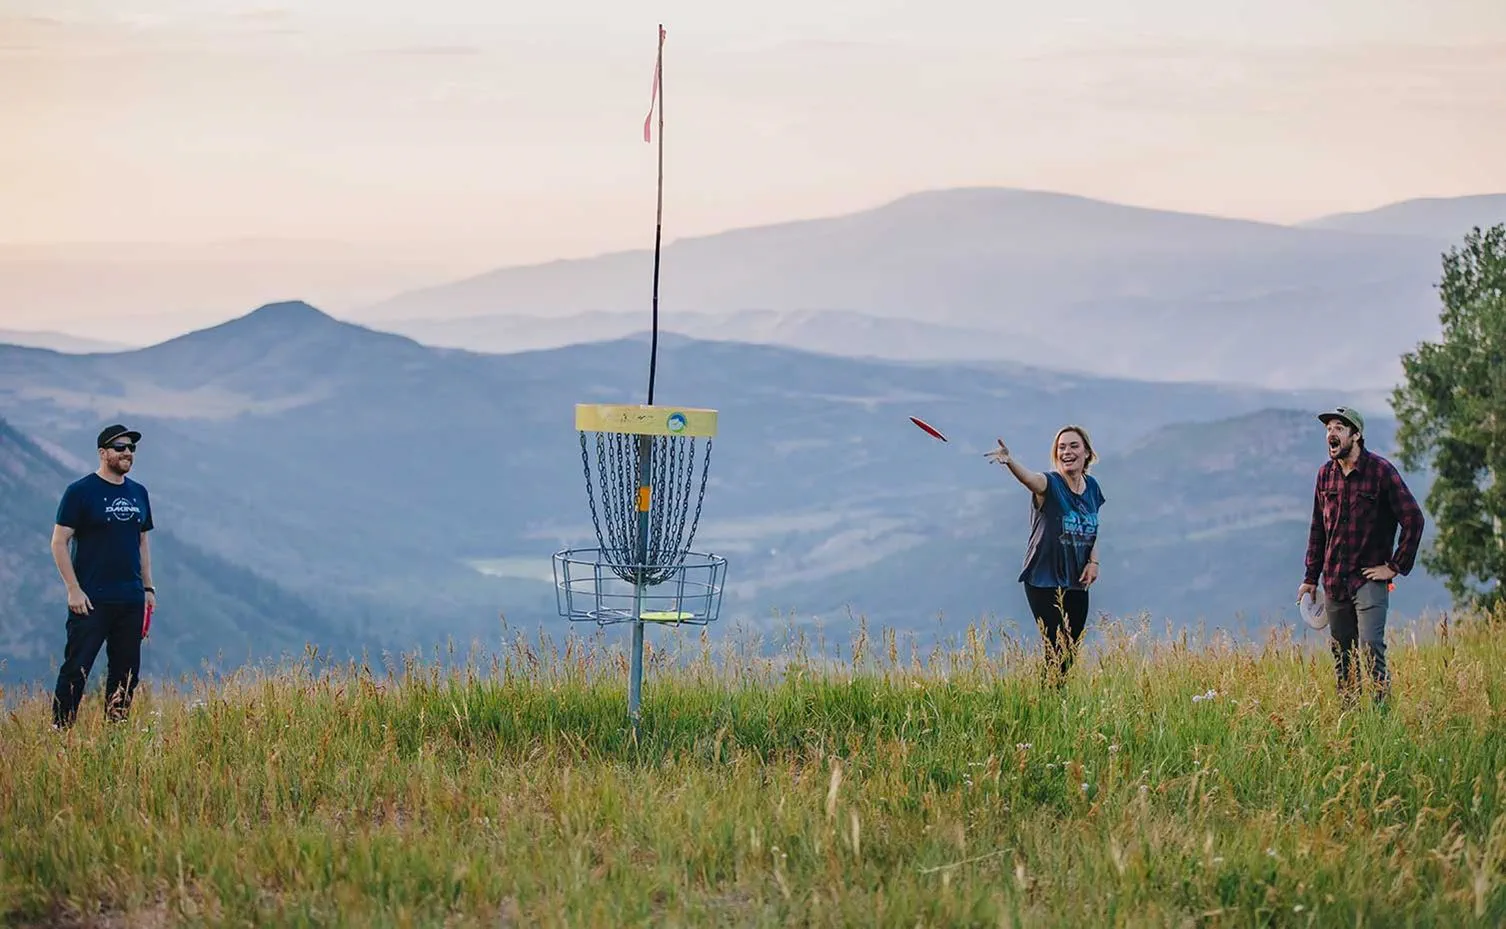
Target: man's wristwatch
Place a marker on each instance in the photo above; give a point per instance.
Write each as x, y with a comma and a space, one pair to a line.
150, 590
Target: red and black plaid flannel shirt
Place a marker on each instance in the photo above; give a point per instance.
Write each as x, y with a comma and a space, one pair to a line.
1354, 524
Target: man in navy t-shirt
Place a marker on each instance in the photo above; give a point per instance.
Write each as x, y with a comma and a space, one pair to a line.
100, 547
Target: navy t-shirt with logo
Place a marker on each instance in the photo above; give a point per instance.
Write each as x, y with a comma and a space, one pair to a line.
107, 522
1062, 532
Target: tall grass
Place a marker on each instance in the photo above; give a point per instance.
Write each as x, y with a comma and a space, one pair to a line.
1166, 784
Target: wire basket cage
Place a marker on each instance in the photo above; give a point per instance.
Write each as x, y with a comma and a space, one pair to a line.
590, 587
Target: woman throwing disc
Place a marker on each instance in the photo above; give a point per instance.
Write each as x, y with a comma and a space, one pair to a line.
1061, 560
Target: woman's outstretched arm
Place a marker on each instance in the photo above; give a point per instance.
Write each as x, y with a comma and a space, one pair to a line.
1035, 481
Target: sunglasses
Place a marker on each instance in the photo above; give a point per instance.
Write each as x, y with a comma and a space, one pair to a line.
122, 446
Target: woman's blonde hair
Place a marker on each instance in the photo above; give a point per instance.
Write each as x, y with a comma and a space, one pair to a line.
1087, 445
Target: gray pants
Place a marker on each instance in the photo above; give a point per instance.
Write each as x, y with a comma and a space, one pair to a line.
1357, 636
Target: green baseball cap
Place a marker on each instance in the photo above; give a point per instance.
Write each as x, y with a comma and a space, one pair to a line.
1347, 414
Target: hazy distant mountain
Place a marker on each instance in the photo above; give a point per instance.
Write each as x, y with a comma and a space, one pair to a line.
211, 612
58, 341
415, 493
830, 331
1121, 290
1443, 219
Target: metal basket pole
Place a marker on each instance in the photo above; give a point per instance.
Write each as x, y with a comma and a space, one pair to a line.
645, 442
645, 490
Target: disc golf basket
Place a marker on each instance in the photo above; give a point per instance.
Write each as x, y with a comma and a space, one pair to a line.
641, 490
645, 492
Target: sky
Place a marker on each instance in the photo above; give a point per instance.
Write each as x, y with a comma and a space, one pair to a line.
497, 133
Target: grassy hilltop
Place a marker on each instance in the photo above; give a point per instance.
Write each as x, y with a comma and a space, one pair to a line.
1169, 784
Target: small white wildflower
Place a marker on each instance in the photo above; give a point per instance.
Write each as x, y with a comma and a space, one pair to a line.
1024, 746
1298, 908
1144, 789
1113, 749
1085, 788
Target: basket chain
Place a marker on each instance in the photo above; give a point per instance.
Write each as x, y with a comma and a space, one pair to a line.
671, 457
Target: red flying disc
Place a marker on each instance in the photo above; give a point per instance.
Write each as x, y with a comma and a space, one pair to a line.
928, 427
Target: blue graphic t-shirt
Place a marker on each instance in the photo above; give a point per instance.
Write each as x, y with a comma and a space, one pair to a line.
107, 522
1062, 532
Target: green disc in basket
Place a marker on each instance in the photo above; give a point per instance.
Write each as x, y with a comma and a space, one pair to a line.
666, 616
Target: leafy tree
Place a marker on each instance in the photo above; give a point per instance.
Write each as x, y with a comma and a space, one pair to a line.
1451, 409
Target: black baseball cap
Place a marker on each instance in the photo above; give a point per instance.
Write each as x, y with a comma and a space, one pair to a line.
111, 433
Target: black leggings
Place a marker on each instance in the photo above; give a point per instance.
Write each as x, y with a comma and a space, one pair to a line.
1060, 633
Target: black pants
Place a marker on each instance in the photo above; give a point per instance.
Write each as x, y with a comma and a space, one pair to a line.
117, 627
1061, 624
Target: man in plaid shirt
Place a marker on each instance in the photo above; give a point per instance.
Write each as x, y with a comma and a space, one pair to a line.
1359, 502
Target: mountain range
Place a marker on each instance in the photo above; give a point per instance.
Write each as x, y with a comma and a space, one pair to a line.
1035, 277
400, 496
1045, 279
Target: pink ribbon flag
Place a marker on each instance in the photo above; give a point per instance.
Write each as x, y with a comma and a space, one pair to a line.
654, 96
